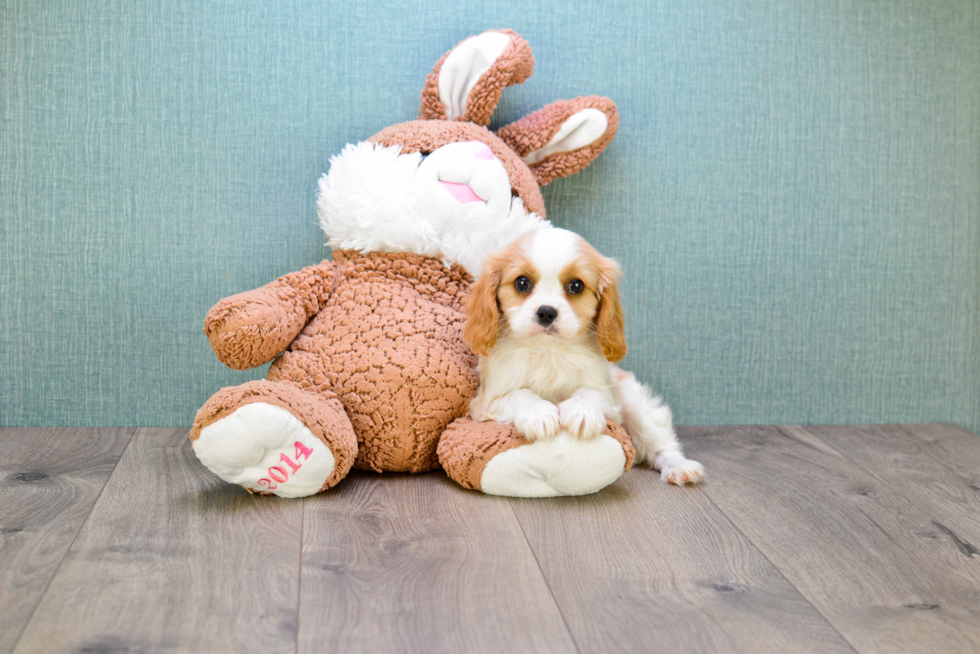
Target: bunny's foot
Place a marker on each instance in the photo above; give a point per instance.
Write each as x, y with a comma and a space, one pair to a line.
275, 438
493, 458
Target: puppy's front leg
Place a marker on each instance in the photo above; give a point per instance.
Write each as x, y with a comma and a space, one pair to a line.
533, 417
584, 414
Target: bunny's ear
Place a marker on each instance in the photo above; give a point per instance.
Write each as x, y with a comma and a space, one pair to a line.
466, 83
564, 137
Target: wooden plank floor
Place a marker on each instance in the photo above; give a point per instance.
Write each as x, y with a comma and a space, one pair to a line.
817, 539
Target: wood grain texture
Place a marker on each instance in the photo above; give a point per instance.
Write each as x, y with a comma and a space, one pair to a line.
49, 481
642, 566
804, 539
173, 559
953, 446
905, 464
868, 557
413, 563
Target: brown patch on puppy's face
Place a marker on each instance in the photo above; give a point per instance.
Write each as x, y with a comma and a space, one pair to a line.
582, 274
484, 321
516, 265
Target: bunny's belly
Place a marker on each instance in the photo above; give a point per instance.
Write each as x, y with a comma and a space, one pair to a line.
396, 361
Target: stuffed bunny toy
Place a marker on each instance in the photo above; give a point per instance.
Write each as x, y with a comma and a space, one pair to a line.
369, 369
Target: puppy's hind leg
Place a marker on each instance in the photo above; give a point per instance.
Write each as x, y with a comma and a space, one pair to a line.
650, 425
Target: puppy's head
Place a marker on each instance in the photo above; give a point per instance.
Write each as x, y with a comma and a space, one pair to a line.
548, 284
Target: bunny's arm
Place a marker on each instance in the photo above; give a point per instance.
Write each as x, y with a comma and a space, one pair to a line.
251, 328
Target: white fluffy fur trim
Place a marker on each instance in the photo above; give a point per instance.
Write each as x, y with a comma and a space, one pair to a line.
371, 200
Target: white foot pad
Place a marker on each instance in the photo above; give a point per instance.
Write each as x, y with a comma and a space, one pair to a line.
265, 448
554, 467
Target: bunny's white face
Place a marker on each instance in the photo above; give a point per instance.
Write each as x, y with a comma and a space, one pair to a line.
454, 203
463, 177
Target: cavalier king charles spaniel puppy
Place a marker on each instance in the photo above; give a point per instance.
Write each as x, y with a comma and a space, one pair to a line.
546, 320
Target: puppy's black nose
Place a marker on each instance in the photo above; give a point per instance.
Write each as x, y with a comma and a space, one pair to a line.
546, 315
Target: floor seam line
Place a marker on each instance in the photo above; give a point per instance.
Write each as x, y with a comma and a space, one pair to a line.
779, 570
544, 577
774, 566
74, 538
867, 471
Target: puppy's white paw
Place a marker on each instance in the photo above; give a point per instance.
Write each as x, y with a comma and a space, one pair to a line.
538, 422
676, 469
581, 419
689, 472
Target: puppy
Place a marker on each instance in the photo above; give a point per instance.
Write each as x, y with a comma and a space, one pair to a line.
546, 319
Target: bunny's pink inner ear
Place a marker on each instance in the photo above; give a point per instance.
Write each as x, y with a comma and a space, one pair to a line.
467, 82
564, 137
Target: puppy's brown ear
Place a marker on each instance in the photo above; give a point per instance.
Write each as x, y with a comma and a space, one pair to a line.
609, 321
466, 83
483, 317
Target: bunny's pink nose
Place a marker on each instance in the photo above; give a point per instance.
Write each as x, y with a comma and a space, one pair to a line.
482, 150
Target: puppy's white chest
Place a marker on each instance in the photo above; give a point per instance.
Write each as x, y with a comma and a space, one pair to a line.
554, 374
552, 377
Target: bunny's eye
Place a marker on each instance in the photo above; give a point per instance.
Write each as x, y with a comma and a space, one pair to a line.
575, 287
522, 284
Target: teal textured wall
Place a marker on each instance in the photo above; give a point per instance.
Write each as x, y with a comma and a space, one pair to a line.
794, 191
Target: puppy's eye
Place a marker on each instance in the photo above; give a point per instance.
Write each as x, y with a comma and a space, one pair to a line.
522, 284
575, 287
